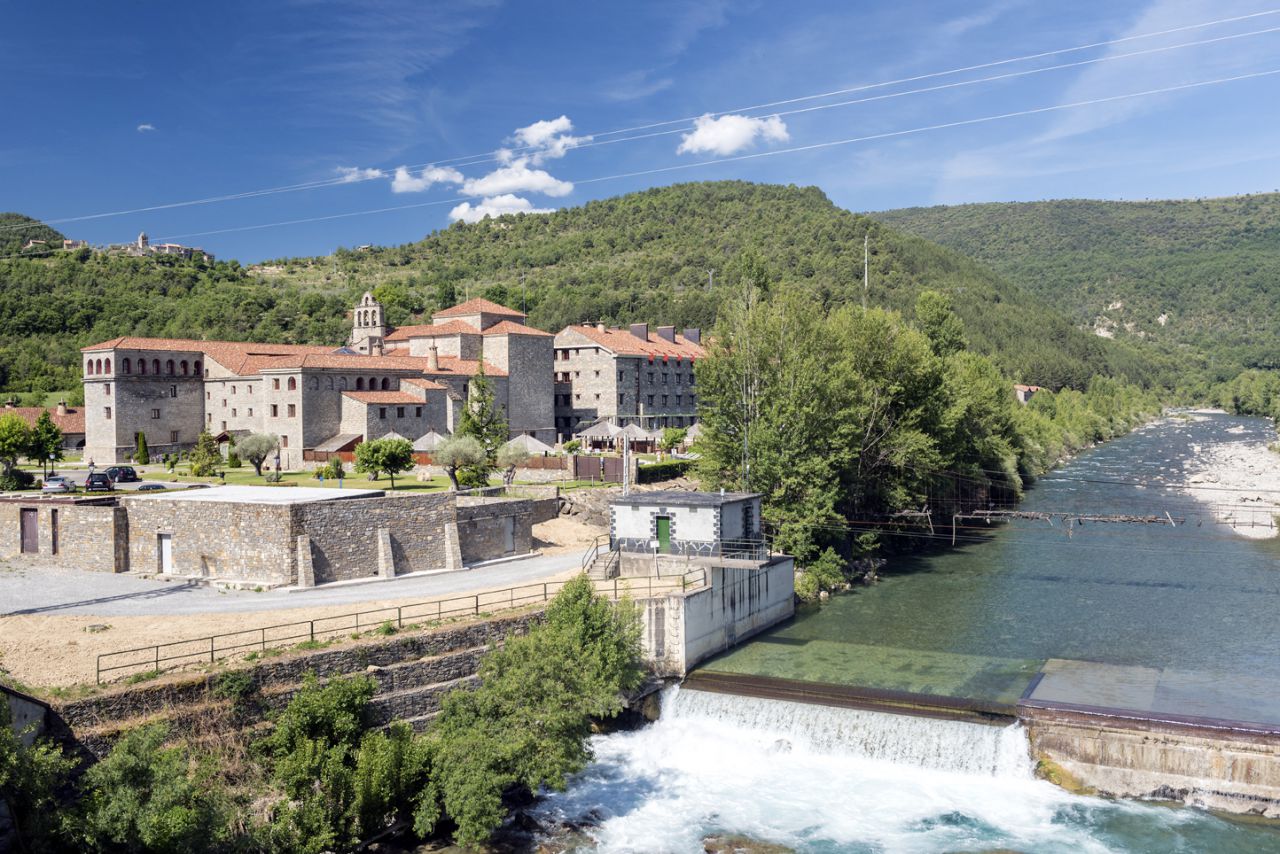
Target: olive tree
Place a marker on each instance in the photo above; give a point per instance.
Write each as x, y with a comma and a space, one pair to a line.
456, 453
511, 455
255, 448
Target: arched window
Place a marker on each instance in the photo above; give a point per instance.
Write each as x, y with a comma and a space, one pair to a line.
155, 366
293, 384
330, 386
142, 366
128, 366
88, 368
107, 365
315, 383
185, 367
342, 383
168, 367
97, 366
359, 383
197, 367
386, 383
373, 383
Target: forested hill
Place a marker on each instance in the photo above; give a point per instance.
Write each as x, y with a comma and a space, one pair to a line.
1203, 272
646, 256
641, 257
16, 230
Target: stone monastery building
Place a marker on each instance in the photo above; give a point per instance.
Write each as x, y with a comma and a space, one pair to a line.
407, 381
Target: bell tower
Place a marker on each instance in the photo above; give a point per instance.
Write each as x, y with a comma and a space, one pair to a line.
368, 326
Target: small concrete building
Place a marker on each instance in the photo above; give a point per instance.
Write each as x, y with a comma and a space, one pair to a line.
730, 584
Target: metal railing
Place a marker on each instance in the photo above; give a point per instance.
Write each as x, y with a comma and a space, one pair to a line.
156, 658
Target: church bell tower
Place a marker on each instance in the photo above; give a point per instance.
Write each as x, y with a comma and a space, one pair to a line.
368, 326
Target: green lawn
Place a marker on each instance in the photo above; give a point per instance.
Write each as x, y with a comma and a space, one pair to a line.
245, 475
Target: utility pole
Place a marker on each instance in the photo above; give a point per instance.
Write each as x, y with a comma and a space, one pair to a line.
626, 466
524, 302
866, 267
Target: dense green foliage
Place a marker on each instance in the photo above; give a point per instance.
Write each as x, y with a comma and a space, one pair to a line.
850, 417
1250, 393
390, 455
205, 457
325, 777
16, 230
664, 470
1209, 267
457, 454
257, 447
482, 420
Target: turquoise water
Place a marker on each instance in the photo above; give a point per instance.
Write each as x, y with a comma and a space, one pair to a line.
1183, 617
1157, 617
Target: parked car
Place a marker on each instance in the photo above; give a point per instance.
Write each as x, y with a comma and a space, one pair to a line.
98, 482
58, 483
122, 474
151, 487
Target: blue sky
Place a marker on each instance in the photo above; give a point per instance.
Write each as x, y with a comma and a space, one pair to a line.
114, 107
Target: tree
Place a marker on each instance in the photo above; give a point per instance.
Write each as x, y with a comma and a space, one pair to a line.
46, 442
938, 321
384, 455
147, 797
15, 440
30, 777
483, 421
456, 454
256, 447
672, 437
141, 455
511, 455
206, 457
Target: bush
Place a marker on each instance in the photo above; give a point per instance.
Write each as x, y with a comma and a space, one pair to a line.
30, 777
572, 446
17, 479
665, 470
333, 470
233, 460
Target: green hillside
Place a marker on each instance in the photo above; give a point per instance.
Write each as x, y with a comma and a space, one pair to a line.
1201, 274
646, 257
16, 230
639, 257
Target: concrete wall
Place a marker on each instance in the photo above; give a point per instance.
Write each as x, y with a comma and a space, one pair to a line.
694, 530
344, 535
91, 537
684, 629
1211, 767
27, 715
483, 524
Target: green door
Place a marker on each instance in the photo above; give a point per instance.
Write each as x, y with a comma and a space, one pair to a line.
664, 534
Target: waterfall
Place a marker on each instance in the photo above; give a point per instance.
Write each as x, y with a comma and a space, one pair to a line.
921, 742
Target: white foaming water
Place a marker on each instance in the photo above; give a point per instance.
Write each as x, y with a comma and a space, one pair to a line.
818, 779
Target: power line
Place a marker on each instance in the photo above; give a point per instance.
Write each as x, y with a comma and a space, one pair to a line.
486, 157
771, 153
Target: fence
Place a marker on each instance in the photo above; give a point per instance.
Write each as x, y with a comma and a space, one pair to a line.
171, 655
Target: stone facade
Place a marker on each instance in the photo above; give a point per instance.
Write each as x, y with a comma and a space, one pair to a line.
490, 528
172, 389
87, 534
344, 535
625, 376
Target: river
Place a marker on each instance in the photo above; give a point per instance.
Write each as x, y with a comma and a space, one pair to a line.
1184, 616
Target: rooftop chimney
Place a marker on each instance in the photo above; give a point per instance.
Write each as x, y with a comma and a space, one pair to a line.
640, 330
600, 327
62, 407
667, 333
433, 358
693, 336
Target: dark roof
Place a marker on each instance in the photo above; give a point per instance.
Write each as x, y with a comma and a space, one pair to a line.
681, 498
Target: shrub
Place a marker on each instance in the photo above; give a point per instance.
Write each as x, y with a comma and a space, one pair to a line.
30, 777
17, 479
333, 469
142, 455
572, 446
233, 460
665, 470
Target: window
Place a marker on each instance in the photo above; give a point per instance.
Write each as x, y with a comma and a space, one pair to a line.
293, 384
651, 377
577, 397
665, 377
224, 403
651, 400
208, 395
128, 366
417, 412
691, 379
679, 399
275, 411
597, 373
679, 379
168, 367
106, 388
106, 412
249, 389
386, 384
233, 413
250, 411
329, 384
597, 395
373, 383
173, 391
173, 437
664, 400
233, 389
186, 369
622, 398
275, 383
142, 367
155, 366
293, 410
577, 374
315, 383
382, 412
155, 413
106, 366
196, 369
284, 441
209, 419
399, 412
359, 383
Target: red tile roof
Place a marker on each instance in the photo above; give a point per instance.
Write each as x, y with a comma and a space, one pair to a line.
507, 327
622, 342
427, 330
421, 383
72, 422
382, 397
477, 306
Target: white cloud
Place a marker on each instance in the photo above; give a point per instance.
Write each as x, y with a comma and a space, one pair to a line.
517, 178
352, 174
541, 141
146, 126
494, 206
731, 134
405, 181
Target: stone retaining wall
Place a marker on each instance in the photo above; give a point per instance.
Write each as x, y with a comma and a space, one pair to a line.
90, 536
490, 528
